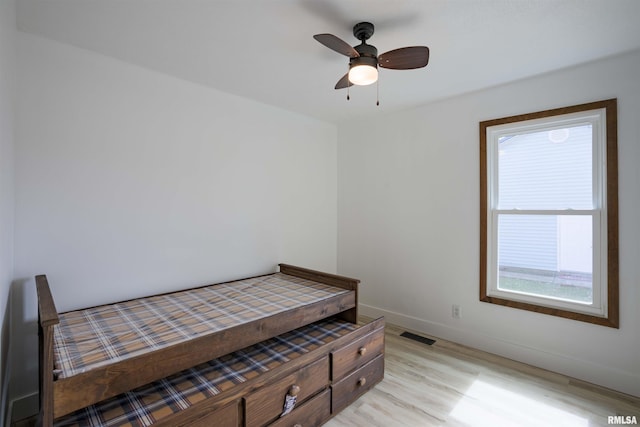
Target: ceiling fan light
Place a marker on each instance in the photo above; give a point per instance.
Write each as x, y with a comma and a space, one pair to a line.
363, 74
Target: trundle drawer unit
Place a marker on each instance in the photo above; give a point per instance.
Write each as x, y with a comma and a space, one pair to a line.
266, 404
357, 383
326, 365
356, 368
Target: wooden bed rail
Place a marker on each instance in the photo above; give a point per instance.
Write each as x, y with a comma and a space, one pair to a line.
343, 282
318, 276
47, 319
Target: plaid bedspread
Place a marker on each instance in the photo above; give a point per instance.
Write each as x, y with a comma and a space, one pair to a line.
90, 338
150, 403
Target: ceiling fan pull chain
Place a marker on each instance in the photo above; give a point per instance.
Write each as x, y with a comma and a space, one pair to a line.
378, 92
348, 85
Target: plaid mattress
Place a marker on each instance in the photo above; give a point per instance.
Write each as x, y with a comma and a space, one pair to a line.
94, 337
152, 402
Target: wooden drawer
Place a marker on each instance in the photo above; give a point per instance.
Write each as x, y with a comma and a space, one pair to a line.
356, 354
309, 414
229, 416
266, 404
350, 388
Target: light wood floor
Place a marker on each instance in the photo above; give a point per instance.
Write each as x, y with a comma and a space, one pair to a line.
451, 385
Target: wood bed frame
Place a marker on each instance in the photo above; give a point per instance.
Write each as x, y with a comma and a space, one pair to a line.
59, 397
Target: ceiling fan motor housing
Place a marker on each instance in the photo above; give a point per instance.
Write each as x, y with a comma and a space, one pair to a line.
368, 56
366, 50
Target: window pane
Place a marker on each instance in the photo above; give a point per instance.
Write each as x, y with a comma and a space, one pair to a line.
546, 170
546, 255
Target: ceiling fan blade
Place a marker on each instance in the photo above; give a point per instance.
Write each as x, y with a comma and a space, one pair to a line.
405, 58
337, 44
344, 82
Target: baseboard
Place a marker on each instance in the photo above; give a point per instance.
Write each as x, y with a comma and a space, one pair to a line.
615, 379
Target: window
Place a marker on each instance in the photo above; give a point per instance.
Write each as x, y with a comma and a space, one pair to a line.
549, 212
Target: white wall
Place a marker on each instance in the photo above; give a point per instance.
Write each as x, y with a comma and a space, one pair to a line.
130, 182
7, 91
408, 223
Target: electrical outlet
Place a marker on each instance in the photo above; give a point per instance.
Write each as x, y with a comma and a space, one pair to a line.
456, 311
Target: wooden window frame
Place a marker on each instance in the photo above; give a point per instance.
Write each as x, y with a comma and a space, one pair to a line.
611, 315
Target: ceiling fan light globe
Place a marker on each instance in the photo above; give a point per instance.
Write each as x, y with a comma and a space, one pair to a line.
363, 74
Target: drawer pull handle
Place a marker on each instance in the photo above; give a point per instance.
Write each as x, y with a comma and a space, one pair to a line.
294, 390
362, 351
362, 381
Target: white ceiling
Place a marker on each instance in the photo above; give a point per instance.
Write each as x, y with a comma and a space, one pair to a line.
264, 50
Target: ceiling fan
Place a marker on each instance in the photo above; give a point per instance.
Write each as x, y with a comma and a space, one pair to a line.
364, 59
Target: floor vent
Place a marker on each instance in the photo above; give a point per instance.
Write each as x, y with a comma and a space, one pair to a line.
423, 340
